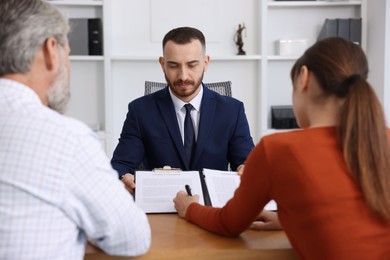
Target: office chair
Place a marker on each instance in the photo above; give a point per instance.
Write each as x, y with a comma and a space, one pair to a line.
223, 87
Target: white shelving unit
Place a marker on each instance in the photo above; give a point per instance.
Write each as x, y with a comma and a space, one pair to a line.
102, 86
293, 20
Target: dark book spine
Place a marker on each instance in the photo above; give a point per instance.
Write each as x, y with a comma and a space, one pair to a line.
355, 30
329, 29
343, 28
95, 36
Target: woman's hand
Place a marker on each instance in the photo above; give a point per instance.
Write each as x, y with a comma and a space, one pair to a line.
266, 220
182, 201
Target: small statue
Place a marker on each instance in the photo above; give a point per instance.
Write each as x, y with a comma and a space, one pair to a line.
238, 39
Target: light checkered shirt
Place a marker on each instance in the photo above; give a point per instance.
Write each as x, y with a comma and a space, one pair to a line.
57, 188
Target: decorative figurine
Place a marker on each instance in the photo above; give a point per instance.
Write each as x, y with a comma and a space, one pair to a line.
238, 39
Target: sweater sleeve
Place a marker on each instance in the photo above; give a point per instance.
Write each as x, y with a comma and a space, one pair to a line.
248, 201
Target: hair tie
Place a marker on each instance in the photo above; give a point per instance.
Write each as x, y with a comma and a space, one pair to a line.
343, 89
351, 79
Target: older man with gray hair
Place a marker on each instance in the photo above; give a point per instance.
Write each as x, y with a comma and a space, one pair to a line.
57, 188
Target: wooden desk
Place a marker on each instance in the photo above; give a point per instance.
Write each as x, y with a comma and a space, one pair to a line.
175, 238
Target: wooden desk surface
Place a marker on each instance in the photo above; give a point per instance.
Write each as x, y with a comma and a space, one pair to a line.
175, 238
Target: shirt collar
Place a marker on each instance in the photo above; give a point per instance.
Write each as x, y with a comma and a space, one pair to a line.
22, 90
195, 102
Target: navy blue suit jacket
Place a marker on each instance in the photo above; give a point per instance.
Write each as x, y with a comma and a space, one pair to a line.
151, 135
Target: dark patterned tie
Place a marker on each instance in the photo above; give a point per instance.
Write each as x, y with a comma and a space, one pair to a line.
189, 133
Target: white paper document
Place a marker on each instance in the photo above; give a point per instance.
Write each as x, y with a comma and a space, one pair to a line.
155, 191
221, 186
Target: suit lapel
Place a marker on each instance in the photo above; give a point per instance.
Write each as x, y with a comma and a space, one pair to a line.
168, 113
207, 115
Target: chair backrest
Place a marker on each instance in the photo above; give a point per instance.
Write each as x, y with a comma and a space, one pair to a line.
223, 87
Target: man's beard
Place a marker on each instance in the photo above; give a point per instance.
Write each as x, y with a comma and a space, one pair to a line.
184, 94
58, 95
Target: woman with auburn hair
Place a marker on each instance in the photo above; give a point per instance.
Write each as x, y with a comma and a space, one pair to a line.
331, 179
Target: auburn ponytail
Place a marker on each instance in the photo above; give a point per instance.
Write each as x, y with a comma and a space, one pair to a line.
364, 138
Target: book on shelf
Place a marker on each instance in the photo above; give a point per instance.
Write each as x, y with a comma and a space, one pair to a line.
329, 29
155, 190
343, 28
85, 37
347, 28
355, 30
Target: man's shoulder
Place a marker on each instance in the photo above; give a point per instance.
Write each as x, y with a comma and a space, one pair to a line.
76, 126
66, 124
149, 99
222, 99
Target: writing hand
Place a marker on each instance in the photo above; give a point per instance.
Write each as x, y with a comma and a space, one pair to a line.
182, 201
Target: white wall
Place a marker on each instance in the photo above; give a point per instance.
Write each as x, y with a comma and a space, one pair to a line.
378, 50
139, 26
386, 94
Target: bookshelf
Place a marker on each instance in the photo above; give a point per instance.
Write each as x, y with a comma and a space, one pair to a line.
293, 20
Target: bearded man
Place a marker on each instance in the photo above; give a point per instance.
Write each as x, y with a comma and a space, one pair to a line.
49, 204
154, 133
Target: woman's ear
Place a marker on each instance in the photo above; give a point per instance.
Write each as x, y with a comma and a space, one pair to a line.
302, 79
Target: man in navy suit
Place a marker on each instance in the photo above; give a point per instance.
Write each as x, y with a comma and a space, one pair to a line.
153, 132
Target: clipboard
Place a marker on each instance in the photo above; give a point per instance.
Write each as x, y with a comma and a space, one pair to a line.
167, 169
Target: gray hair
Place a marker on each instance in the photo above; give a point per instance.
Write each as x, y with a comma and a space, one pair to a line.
24, 27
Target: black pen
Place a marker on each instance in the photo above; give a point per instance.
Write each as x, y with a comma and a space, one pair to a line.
188, 189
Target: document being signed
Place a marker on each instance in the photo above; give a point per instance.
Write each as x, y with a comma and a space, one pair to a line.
155, 190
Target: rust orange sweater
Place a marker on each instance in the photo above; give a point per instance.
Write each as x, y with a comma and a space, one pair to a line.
319, 206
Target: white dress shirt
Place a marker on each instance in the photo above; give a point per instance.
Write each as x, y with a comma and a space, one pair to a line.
181, 112
57, 187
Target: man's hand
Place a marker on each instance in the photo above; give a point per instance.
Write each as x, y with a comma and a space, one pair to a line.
128, 180
182, 201
240, 169
266, 220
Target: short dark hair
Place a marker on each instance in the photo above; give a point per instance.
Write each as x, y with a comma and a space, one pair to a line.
184, 35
